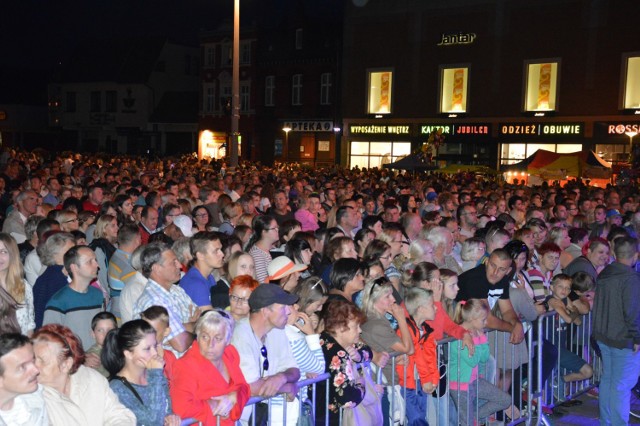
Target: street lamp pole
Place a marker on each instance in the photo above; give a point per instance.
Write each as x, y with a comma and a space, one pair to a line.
631, 135
285, 150
235, 100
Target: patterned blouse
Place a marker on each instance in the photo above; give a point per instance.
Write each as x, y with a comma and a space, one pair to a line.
344, 388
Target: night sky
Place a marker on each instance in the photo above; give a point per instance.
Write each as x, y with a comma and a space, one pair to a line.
35, 35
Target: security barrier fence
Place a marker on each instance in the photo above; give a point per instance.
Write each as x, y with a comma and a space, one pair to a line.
534, 375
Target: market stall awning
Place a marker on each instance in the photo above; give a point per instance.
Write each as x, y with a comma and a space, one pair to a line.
462, 168
551, 165
412, 162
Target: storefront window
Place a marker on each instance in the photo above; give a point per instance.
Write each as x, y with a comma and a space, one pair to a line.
613, 153
380, 91
541, 86
376, 154
453, 95
512, 153
632, 84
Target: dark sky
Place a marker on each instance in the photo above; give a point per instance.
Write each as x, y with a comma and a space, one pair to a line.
36, 34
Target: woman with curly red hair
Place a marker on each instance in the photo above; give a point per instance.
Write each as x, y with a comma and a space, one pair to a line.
74, 394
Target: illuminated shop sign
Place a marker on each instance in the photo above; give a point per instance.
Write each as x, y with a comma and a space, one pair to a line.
541, 130
309, 126
377, 129
452, 39
457, 129
622, 128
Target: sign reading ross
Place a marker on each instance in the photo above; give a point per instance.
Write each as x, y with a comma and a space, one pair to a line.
622, 128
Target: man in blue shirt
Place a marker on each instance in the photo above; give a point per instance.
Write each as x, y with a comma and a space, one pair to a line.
206, 249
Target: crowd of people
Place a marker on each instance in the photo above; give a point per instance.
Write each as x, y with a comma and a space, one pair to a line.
139, 291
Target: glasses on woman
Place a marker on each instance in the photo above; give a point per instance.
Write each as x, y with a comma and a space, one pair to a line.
238, 300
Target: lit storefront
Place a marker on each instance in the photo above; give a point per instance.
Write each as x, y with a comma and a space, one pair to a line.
613, 140
213, 145
309, 141
520, 140
373, 145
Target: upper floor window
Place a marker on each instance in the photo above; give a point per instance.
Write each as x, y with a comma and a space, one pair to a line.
245, 53
245, 92
379, 92
269, 90
111, 101
631, 95
325, 89
296, 89
209, 99
541, 85
70, 102
299, 39
226, 55
95, 102
210, 56
454, 81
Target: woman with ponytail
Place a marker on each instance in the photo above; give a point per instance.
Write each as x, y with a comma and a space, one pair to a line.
136, 373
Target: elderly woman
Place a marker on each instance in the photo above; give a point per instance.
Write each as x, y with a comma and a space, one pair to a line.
136, 372
74, 394
421, 250
219, 387
68, 220
51, 253
341, 347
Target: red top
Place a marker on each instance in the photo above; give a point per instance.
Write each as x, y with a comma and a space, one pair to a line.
89, 206
196, 379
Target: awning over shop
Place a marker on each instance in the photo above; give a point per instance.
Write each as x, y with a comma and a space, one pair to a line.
553, 166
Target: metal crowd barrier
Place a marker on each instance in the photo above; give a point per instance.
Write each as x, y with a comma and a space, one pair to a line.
506, 369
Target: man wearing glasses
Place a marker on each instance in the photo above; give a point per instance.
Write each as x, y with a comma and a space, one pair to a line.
265, 355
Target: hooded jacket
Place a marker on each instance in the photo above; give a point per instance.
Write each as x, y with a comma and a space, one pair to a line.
616, 311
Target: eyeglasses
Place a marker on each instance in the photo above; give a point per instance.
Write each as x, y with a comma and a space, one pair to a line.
71, 220
273, 229
386, 257
201, 215
238, 300
265, 363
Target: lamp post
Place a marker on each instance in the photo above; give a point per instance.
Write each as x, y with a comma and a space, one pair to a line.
285, 150
631, 135
235, 100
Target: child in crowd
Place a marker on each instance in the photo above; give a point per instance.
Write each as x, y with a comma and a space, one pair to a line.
449, 291
468, 389
101, 324
582, 292
158, 317
420, 306
578, 368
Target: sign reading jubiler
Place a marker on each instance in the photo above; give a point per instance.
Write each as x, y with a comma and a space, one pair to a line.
541, 130
457, 129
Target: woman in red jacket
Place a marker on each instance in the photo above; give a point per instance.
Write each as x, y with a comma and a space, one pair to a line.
207, 380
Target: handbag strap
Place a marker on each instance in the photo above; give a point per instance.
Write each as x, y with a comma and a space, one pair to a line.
130, 387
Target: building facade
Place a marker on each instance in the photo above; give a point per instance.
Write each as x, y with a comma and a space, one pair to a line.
132, 96
500, 78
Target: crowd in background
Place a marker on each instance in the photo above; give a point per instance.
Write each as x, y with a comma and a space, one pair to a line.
141, 291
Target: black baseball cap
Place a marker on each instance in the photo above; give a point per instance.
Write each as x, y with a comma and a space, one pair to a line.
268, 294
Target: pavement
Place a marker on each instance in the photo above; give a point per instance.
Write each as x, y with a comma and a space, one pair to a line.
585, 414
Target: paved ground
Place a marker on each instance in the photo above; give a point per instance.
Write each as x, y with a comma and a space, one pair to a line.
583, 415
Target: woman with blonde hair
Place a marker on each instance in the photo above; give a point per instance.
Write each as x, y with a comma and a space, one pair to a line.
105, 237
16, 297
240, 263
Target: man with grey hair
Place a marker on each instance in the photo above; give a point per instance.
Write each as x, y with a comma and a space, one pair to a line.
616, 328
25, 206
160, 265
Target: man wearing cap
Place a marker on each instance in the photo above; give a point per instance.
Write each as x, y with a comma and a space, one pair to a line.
184, 224
206, 250
265, 354
614, 218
